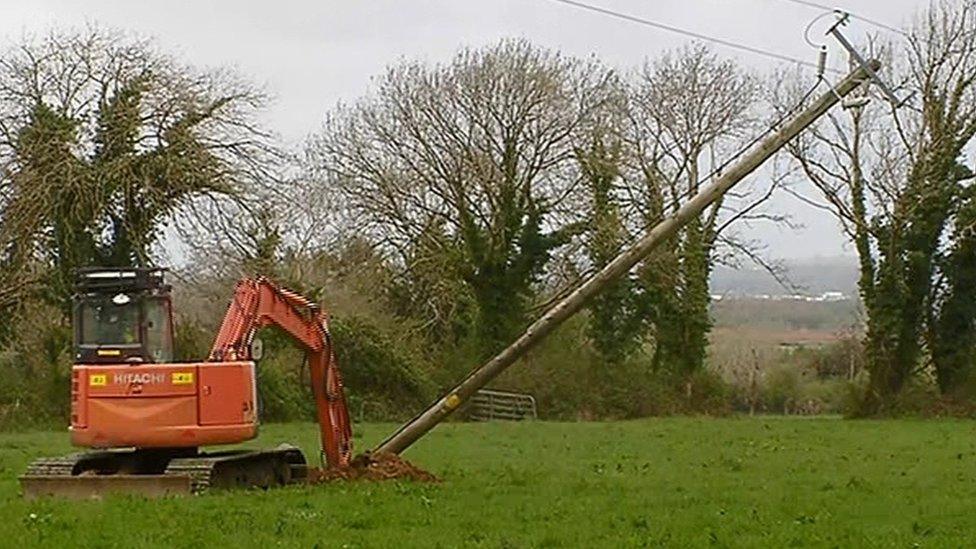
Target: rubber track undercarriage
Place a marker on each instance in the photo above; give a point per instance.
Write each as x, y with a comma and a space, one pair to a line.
161, 472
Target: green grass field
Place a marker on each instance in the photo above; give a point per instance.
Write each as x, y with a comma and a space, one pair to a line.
679, 482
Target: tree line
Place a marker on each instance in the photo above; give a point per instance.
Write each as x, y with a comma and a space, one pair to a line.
439, 212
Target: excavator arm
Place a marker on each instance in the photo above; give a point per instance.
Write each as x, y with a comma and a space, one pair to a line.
257, 303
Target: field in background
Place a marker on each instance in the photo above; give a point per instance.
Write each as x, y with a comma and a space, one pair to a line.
751, 331
787, 355
771, 482
786, 315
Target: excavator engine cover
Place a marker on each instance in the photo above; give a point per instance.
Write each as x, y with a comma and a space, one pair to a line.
163, 405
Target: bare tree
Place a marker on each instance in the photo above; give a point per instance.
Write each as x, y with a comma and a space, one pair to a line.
459, 167
690, 110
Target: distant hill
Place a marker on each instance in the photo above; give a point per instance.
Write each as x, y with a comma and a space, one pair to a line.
811, 276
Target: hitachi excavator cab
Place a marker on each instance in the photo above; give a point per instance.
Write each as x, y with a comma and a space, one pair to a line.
122, 316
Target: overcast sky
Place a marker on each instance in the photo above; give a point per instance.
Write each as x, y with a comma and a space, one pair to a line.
312, 53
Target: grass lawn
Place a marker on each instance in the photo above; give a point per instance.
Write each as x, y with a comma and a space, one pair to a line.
678, 481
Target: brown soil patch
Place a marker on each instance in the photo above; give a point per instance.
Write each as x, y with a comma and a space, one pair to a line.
370, 466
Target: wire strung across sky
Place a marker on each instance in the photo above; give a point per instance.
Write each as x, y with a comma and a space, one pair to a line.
825, 7
743, 47
772, 127
692, 34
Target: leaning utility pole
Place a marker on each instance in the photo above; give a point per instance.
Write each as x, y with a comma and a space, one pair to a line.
568, 306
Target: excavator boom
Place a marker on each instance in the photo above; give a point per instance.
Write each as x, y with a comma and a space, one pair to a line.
257, 303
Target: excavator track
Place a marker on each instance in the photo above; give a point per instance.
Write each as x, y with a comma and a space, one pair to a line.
94, 474
53, 466
248, 469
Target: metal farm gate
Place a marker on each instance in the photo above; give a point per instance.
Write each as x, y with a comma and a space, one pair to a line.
488, 405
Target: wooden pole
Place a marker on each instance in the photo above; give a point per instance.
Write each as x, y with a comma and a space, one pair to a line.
558, 313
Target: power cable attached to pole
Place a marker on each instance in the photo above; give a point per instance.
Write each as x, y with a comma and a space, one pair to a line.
691, 34
827, 8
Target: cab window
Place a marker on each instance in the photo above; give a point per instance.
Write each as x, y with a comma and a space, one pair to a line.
104, 322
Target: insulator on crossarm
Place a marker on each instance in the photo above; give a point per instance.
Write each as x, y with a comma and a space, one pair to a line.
821, 61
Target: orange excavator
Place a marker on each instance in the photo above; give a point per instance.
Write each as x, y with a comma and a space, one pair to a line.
146, 417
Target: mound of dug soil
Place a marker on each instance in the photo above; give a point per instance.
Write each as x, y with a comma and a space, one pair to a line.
378, 466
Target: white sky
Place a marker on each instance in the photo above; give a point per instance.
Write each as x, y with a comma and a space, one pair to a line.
311, 54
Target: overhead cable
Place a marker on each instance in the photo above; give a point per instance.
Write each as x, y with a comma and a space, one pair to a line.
692, 34
819, 6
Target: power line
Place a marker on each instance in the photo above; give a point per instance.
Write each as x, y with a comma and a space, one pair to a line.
716, 170
819, 6
697, 35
